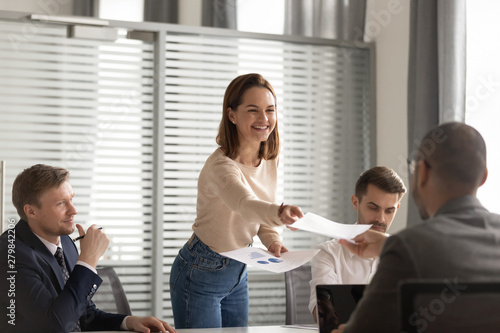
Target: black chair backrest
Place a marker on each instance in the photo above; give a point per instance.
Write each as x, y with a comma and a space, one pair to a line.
110, 297
449, 306
297, 296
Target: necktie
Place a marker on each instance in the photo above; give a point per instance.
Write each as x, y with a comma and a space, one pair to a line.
60, 260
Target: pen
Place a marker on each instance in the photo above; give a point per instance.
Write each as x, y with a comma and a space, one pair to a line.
80, 237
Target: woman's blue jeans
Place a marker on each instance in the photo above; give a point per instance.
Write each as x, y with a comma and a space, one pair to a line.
207, 289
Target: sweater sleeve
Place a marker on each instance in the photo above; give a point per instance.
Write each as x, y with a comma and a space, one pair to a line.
268, 235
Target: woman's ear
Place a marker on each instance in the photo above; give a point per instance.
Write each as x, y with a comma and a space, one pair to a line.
230, 115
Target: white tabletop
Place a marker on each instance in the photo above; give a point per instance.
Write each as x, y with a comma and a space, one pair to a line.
253, 329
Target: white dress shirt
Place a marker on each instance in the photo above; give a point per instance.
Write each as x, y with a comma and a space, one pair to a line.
335, 265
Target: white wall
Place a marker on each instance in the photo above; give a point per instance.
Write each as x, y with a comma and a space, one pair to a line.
387, 24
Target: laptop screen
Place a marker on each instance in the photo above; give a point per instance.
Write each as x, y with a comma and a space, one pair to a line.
335, 303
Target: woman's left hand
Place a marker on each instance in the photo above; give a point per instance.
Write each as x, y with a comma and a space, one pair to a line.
277, 248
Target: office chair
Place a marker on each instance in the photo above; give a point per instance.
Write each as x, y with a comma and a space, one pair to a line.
297, 296
449, 305
110, 296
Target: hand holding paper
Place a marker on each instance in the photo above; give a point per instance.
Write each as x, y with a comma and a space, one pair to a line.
265, 260
289, 260
319, 225
367, 245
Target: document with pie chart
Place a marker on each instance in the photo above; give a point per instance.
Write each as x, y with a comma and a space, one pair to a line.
266, 260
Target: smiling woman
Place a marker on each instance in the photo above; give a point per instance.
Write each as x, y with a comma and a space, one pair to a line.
236, 201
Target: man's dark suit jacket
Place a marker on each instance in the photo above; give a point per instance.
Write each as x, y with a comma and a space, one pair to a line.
32, 291
460, 243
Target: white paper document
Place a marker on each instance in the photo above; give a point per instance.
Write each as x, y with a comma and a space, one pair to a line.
319, 225
266, 260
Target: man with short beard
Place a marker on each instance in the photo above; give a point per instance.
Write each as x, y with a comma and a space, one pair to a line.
377, 197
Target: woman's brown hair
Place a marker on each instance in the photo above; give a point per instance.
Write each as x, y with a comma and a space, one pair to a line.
227, 138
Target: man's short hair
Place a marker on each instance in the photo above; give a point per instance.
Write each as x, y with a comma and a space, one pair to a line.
33, 182
457, 152
384, 178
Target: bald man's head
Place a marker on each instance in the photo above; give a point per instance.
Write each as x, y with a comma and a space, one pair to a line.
457, 153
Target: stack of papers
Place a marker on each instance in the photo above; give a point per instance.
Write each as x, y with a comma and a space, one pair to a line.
266, 260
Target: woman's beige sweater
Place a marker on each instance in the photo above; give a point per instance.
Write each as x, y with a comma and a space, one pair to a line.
236, 202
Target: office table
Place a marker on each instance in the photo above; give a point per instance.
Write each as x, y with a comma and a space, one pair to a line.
252, 329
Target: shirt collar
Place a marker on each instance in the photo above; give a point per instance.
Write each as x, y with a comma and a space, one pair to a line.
51, 246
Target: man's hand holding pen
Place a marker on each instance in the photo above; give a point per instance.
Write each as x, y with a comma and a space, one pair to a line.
93, 245
80, 237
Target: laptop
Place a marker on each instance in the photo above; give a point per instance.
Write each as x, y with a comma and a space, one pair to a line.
335, 303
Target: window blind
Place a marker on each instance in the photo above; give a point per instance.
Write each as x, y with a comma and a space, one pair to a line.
94, 107
85, 105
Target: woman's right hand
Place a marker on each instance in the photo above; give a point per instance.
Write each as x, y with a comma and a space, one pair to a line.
290, 214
